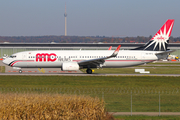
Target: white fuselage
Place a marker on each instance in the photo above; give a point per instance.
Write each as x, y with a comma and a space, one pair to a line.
55, 59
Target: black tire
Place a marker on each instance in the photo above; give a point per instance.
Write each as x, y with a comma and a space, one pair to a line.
20, 71
89, 71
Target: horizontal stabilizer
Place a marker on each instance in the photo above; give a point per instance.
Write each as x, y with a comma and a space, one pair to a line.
165, 52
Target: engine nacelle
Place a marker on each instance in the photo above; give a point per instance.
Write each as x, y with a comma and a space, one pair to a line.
70, 66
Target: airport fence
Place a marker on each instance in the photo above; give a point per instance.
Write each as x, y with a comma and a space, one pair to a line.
118, 99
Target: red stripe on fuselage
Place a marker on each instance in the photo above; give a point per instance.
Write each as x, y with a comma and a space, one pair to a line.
126, 60
117, 60
21, 61
82, 60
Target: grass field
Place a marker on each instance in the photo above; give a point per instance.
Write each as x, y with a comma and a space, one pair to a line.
115, 90
51, 107
2, 69
90, 81
147, 117
154, 68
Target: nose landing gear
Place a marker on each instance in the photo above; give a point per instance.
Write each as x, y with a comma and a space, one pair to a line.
20, 71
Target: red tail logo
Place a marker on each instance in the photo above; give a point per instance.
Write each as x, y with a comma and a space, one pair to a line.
165, 31
161, 38
46, 57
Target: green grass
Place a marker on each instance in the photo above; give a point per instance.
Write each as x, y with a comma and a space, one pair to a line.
115, 90
2, 69
152, 69
134, 117
90, 81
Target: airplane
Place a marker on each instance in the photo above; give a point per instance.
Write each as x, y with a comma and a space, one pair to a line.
153, 50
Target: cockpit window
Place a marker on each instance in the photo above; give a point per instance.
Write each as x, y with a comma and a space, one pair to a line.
12, 56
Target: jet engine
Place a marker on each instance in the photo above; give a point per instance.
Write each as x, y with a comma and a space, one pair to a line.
70, 66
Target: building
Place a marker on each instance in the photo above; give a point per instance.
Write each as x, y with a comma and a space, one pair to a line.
10, 48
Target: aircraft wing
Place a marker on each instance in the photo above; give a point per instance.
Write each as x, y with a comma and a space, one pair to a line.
99, 61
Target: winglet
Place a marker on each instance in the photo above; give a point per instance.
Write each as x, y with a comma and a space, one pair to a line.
110, 48
116, 52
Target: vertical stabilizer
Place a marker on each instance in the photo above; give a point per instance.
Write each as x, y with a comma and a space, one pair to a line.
161, 39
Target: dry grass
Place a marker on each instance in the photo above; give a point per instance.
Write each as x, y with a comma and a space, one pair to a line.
51, 107
2, 69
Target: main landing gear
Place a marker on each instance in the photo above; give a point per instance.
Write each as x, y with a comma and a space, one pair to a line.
89, 71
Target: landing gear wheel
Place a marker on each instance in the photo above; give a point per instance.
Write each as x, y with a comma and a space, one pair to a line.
89, 71
20, 71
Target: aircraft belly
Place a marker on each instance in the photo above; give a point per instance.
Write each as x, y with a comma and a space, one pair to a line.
38, 64
22, 64
49, 64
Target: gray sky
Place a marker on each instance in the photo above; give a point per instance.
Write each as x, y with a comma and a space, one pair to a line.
118, 18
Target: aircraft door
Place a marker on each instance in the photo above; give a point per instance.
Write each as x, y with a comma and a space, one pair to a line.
24, 56
142, 57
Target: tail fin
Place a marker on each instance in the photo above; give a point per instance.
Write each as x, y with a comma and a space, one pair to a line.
161, 39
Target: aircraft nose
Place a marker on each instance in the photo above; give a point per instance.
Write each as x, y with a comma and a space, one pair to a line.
6, 61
